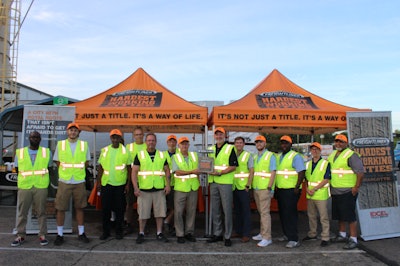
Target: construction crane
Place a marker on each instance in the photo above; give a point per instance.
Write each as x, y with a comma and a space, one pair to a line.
10, 26
9, 36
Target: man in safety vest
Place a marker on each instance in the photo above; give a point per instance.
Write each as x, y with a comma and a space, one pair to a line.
133, 148
72, 156
347, 172
263, 189
32, 164
151, 183
318, 175
114, 169
225, 163
241, 190
185, 169
168, 221
289, 178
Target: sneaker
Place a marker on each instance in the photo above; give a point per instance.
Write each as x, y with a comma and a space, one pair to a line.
228, 243
160, 237
18, 241
340, 239
59, 240
282, 238
43, 241
83, 238
181, 240
257, 237
264, 243
307, 238
190, 238
140, 239
293, 244
351, 244
324, 243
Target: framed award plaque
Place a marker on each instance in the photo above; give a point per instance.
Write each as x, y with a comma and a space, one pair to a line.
206, 165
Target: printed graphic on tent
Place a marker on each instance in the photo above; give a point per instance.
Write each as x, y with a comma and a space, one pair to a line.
277, 105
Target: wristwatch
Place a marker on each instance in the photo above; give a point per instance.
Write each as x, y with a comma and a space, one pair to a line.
269, 188
248, 187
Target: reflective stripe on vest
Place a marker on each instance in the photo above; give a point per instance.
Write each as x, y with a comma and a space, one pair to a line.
144, 173
341, 172
314, 184
72, 165
220, 167
262, 174
38, 172
241, 175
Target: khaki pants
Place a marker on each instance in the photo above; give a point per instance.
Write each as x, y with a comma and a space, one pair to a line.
263, 202
315, 207
185, 202
37, 196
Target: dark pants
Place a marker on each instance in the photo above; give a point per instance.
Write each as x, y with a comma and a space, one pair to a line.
287, 204
241, 203
113, 199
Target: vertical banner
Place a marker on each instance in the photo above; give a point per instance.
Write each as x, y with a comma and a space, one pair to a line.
51, 122
370, 135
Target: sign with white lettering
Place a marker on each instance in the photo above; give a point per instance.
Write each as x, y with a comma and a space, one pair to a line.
378, 201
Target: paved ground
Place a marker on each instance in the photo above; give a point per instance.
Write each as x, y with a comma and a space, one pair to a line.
126, 251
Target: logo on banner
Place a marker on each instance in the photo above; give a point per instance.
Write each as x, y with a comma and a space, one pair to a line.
133, 98
283, 99
379, 214
12, 177
371, 142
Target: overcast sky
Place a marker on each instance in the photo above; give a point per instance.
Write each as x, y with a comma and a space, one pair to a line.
344, 51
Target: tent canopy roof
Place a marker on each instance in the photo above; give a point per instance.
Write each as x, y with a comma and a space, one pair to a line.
277, 105
140, 100
12, 118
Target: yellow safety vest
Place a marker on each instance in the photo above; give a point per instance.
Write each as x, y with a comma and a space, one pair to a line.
134, 148
221, 163
342, 174
169, 161
72, 165
151, 174
186, 183
286, 175
120, 166
315, 178
36, 175
241, 176
262, 174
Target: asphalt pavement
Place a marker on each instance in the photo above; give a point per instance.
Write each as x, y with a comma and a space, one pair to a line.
152, 252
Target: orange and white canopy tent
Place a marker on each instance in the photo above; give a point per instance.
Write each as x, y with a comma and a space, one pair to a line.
277, 105
140, 100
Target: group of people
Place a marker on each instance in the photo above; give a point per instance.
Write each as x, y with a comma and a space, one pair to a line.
165, 184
